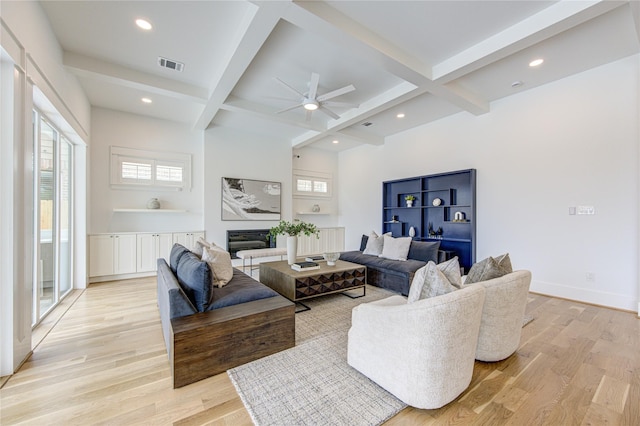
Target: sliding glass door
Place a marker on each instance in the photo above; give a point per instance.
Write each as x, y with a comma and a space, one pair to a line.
53, 214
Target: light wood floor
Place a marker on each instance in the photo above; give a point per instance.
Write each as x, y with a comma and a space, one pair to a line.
104, 362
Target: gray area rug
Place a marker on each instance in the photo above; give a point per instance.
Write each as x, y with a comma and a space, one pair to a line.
312, 384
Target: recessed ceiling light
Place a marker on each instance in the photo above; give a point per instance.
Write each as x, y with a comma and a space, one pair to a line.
146, 100
536, 62
401, 115
144, 24
336, 141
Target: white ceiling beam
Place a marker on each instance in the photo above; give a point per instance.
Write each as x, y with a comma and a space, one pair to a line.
395, 96
254, 31
96, 69
256, 110
322, 19
547, 23
360, 136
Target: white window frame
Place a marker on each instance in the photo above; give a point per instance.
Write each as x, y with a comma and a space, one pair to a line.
314, 177
154, 159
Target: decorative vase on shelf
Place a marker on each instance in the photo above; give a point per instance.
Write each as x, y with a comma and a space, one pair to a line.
292, 249
153, 204
412, 232
409, 203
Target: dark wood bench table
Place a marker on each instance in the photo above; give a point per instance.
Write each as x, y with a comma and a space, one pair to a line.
297, 286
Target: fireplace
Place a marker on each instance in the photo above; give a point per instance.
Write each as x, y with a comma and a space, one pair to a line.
248, 239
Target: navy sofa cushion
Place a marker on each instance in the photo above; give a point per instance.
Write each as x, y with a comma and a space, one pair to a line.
424, 250
241, 289
363, 242
395, 275
176, 253
194, 277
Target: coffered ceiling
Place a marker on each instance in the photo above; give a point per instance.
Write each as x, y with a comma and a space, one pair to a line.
425, 59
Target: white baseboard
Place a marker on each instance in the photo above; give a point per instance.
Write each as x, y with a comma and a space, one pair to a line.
595, 297
121, 277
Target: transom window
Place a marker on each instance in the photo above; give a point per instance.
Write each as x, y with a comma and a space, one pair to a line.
311, 184
137, 168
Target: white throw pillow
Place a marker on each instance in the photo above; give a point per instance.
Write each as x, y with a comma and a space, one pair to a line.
374, 244
219, 262
429, 281
199, 247
395, 248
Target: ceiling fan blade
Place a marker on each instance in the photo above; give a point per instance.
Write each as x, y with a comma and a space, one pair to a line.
335, 93
329, 112
289, 87
289, 109
313, 85
340, 104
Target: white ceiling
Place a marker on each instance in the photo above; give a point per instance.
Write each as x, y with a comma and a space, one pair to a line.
426, 59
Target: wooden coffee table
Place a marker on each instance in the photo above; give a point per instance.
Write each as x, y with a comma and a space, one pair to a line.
297, 286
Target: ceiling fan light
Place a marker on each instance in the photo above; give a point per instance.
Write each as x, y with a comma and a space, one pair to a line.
311, 105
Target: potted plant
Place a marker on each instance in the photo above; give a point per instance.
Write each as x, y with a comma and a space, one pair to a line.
292, 230
409, 199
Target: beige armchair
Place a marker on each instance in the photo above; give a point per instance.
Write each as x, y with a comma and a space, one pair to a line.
502, 314
423, 352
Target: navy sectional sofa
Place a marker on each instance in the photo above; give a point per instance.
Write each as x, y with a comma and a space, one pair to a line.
394, 275
207, 329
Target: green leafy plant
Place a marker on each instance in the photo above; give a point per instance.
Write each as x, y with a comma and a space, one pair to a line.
294, 229
409, 197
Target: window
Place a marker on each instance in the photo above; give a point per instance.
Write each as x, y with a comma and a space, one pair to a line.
311, 184
135, 171
132, 168
53, 216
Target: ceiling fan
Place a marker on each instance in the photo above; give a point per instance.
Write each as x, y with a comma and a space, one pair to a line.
311, 101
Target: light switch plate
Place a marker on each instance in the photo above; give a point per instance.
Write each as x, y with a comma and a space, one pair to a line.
586, 210
572, 210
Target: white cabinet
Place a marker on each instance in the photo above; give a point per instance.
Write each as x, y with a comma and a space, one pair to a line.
112, 254
133, 253
187, 239
150, 247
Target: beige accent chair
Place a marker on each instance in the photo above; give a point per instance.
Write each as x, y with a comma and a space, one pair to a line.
422, 352
504, 305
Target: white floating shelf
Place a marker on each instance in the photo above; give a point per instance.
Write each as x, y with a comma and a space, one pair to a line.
313, 213
149, 211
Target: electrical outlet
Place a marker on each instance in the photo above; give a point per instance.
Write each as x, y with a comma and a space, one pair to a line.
590, 276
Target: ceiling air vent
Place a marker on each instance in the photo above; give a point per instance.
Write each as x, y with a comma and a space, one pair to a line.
172, 65
367, 123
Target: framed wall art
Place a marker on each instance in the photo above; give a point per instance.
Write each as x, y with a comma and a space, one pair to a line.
247, 199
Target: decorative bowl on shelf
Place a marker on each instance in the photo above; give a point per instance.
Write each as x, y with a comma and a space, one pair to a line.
331, 258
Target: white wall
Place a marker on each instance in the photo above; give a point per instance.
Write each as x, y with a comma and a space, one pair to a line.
28, 23
241, 155
323, 161
134, 131
569, 143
